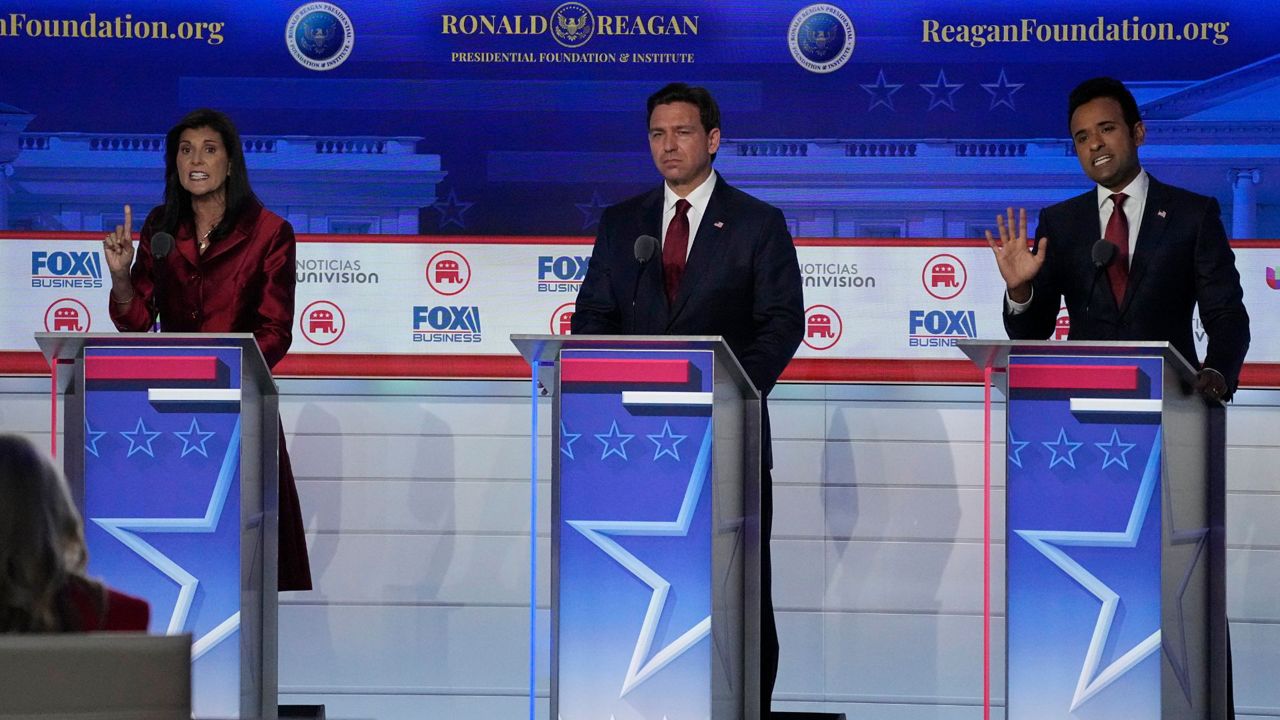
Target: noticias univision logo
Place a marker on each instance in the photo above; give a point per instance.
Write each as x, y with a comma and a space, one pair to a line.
1273, 278
61, 269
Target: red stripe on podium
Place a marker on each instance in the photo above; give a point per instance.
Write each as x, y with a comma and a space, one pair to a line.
624, 371
145, 367
1074, 377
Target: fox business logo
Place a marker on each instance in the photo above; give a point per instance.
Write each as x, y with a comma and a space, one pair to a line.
66, 269
561, 273
940, 328
571, 24
446, 324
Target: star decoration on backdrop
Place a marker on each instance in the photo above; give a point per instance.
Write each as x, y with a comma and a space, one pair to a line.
1116, 452
140, 439
1002, 91
881, 92
91, 438
942, 93
592, 211
1063, 450
125, 530
1049, 543
615, 443
600, 533
569, 439
666, 442
194, 438
451, 210
1016, 447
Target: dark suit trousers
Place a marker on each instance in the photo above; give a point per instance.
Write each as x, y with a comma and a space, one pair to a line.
768, 628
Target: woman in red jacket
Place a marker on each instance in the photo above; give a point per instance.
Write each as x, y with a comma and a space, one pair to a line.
43, 586
230, 269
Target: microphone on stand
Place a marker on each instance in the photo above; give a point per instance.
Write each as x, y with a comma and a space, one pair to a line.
1103, 253
161, 244
645, 248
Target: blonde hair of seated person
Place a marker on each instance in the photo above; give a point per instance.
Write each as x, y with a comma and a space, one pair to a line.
42, 549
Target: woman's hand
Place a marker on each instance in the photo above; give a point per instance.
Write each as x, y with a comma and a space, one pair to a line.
118, 247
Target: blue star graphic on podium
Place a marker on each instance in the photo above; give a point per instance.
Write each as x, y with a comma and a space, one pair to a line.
451, 210
1185, 546
1049, 543
591, 211
615, 442
140, 444
942, 93
881, 92
1002, 91
1116, 452
194, 438
125, 530
1066, 456
599, 532
569, 439
1016, 447
91, 438
666, 442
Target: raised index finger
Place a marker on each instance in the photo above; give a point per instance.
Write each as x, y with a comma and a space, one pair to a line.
128, 222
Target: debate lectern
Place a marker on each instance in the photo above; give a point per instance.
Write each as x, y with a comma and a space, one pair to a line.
1114, 508
171, 449
655, 526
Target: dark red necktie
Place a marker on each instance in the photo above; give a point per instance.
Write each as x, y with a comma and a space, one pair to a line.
674, 248
1118, 234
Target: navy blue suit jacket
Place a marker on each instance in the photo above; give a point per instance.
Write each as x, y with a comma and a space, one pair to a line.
1182, 258
741, 281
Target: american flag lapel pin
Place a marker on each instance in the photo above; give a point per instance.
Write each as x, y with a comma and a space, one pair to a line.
1162, 213
719, 224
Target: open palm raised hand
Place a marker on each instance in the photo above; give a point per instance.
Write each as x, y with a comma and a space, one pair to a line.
1018, 265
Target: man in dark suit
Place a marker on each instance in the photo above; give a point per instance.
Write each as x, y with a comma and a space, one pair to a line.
727, 267
1170, 252
1162, 251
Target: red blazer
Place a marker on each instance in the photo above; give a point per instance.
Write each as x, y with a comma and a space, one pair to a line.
121, 612
243, 283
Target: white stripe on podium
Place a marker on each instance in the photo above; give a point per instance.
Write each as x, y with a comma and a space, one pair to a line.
640, 397
1114, 405
163, 395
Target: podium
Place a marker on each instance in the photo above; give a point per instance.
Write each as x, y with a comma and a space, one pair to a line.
171, 449
655, 526
1115, 591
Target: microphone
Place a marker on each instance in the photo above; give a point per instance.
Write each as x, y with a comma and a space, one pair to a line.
1103, 254
645, 248
161, 244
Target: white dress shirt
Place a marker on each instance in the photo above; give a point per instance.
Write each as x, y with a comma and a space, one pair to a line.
698, 200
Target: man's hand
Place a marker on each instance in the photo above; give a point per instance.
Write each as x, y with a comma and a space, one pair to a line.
1018, 265
1211, 384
